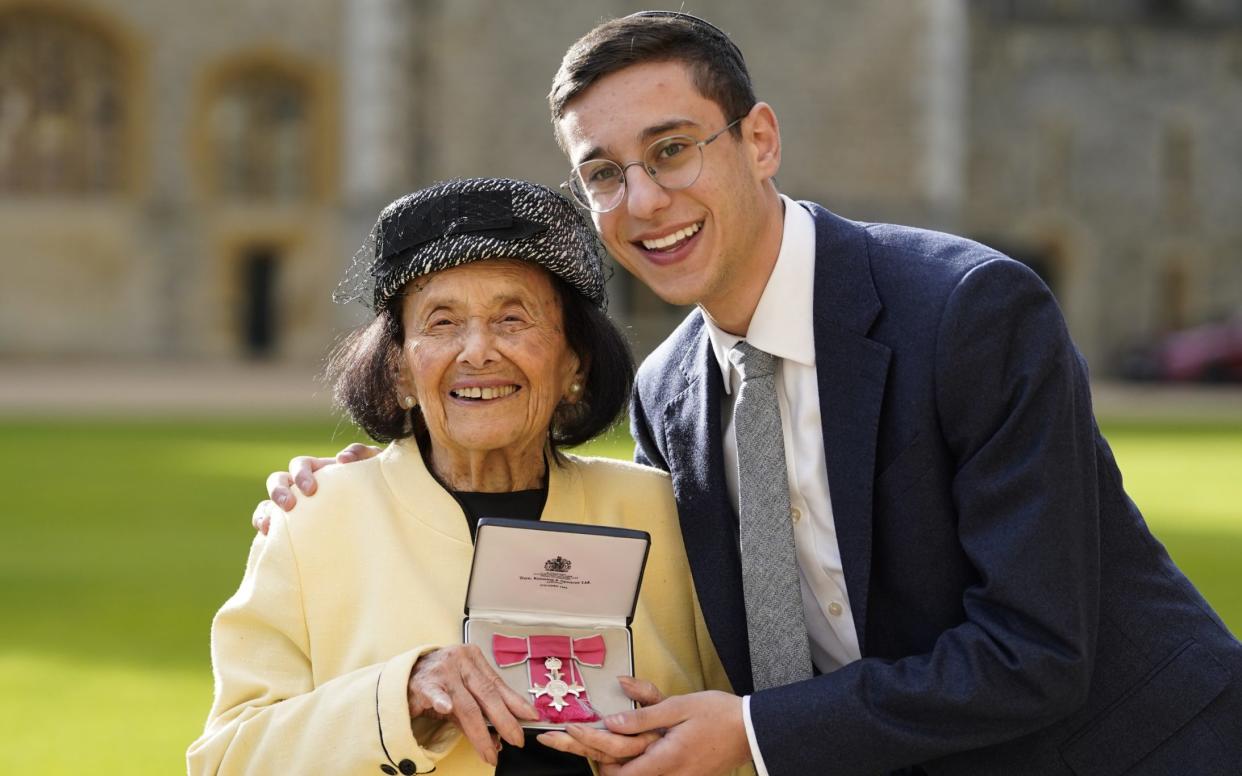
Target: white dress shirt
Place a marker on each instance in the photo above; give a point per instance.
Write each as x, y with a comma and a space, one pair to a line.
782, 326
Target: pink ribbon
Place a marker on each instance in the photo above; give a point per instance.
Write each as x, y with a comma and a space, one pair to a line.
587, 650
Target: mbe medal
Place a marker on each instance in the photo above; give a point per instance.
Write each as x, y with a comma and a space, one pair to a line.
549, 687
556, 688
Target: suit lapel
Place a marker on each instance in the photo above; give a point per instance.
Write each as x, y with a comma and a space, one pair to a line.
708, 523
851, 370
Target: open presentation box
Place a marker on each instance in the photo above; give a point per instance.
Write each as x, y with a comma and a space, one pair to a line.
550, 605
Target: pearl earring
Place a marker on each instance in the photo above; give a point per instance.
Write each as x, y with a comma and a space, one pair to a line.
408, 402
576, 388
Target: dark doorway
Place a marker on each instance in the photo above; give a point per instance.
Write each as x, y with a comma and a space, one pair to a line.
258, 310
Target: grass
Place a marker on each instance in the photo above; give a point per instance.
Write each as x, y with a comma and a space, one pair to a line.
121, 538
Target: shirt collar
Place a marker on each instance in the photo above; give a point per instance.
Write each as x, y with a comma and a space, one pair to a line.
782, 321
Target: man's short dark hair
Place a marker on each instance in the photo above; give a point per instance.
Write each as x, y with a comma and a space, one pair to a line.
716, 65
364, 370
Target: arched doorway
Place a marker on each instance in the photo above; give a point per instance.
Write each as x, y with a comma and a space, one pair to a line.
259, 270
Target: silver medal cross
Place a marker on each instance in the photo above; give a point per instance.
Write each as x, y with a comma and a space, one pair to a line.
556, 688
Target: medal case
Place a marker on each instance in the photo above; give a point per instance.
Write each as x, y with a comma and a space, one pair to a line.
535, 584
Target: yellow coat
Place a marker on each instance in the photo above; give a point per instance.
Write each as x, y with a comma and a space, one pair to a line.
313, 653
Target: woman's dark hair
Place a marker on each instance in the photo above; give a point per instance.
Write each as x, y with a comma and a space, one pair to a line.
715, 63
364, 368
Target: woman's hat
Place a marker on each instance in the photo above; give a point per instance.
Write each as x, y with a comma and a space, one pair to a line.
459, 221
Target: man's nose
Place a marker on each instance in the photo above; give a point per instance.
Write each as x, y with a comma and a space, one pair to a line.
644, 197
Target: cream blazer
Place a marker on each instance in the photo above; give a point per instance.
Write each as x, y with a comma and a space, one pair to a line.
313, 652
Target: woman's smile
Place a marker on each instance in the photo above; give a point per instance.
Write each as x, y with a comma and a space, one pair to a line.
473, 393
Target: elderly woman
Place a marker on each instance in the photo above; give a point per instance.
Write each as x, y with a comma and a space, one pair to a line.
488, 352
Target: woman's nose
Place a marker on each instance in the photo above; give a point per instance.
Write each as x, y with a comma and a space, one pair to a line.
478, 345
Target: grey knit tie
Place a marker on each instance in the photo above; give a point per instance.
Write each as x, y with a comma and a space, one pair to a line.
779, 649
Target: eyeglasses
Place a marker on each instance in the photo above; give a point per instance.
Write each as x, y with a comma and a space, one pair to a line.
673, 162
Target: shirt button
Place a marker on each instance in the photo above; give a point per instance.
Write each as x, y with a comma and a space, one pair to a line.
835, 609
796, 514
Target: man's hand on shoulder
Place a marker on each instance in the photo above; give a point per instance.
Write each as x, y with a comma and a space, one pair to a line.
302, 472
704, 733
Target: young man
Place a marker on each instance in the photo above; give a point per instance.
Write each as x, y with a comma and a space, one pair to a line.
975, 593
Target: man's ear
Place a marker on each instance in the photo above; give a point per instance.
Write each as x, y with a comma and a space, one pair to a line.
763, 135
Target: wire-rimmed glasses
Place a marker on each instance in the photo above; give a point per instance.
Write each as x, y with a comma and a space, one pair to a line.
674, 162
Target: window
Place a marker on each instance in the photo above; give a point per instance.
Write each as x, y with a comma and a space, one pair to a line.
259, 130
62, 107
1177, 156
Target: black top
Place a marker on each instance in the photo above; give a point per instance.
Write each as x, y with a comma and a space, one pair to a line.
534, 759
516, 505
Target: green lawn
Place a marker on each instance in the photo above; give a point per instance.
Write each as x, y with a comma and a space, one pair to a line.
122, 538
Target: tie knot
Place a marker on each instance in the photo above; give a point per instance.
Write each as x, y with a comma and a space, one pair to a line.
752, 362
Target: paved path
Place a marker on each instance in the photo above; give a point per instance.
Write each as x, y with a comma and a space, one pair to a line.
196, 388
160, 389
1121, 400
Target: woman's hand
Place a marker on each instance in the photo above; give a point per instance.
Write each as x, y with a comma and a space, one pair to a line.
301, 471
458, 684
601, 745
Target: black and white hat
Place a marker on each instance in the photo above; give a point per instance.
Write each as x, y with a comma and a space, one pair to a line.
458, 221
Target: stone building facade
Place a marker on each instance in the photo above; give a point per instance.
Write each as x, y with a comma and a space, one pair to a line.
188, 180
1105, 148
210, 217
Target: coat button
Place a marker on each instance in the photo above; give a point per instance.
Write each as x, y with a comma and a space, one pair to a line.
386, 768
407, 767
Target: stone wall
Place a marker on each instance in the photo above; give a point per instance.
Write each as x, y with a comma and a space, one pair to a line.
152, 270
1098, 141
1110, 153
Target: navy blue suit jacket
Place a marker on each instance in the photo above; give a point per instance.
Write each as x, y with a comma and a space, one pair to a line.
1015, 614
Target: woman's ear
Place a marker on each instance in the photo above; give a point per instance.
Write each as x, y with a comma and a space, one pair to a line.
402, 382
577, 382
